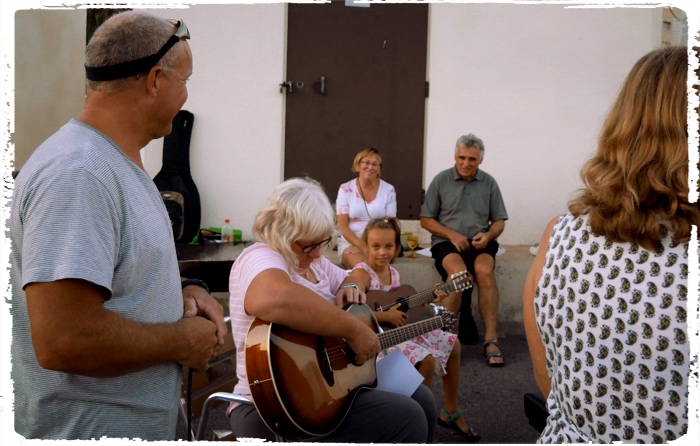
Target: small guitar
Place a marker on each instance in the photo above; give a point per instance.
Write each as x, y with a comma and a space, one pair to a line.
412, 302
303, 385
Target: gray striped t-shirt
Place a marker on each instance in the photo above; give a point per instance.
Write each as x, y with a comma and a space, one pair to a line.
82, 209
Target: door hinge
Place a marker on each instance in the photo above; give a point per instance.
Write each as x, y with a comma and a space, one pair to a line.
286, 86
427, 89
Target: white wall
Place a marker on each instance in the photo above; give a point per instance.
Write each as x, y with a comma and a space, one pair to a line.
52, 93
534, 81
237, 138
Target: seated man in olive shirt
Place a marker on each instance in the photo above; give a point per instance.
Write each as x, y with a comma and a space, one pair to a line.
464, 212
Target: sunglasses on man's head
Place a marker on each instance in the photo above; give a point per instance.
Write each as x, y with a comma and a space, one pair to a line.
138, 66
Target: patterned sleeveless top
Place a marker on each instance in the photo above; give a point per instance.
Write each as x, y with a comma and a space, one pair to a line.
612, 317
375, 283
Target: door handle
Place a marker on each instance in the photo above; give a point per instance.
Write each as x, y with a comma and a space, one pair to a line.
320, 86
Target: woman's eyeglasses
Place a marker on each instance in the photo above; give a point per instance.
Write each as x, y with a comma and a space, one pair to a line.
308, 248
369, 163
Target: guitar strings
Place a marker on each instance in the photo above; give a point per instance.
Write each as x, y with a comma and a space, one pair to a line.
392, 337
418, 296
401, 334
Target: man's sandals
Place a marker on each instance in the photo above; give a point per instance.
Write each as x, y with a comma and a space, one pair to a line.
491, 355
449, 423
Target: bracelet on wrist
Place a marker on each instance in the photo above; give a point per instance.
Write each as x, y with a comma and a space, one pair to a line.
197, 282
350, 285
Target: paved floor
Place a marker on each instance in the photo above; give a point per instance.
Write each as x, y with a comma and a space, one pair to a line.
491, 398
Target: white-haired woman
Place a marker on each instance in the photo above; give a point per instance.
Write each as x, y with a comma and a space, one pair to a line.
283, 278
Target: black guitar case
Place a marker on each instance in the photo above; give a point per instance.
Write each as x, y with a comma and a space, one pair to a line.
536, 411
175, 183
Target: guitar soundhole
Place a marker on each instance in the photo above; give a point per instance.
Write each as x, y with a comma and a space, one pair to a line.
404, 304
324, 361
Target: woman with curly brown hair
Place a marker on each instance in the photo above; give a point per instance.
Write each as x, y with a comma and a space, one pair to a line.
605, 304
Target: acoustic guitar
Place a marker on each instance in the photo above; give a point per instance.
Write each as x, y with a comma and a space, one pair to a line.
411, 301
303, 385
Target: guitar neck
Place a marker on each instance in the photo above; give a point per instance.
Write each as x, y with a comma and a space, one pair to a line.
396, 336
427, 296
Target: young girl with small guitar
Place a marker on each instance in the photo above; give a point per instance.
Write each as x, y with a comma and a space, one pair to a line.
435, 352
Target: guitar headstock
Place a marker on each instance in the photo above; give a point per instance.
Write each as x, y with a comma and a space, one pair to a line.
448, 318
461, 280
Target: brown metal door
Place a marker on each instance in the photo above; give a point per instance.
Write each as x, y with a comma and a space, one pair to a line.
356, 78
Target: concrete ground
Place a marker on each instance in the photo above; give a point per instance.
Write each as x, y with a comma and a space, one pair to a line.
491, 398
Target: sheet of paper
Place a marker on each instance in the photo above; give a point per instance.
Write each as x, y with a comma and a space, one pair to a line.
396, 374
425, 252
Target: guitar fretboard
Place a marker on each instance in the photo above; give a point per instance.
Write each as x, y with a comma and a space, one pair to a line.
428, 295
396, 336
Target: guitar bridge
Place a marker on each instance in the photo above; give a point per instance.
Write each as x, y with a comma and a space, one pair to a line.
324, 361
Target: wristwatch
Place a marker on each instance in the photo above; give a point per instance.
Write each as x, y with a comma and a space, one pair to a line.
198, 282
350, 285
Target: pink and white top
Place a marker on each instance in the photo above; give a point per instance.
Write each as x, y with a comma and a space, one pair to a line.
359, 212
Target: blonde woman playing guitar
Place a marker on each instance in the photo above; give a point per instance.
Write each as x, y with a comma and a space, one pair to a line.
285, 279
